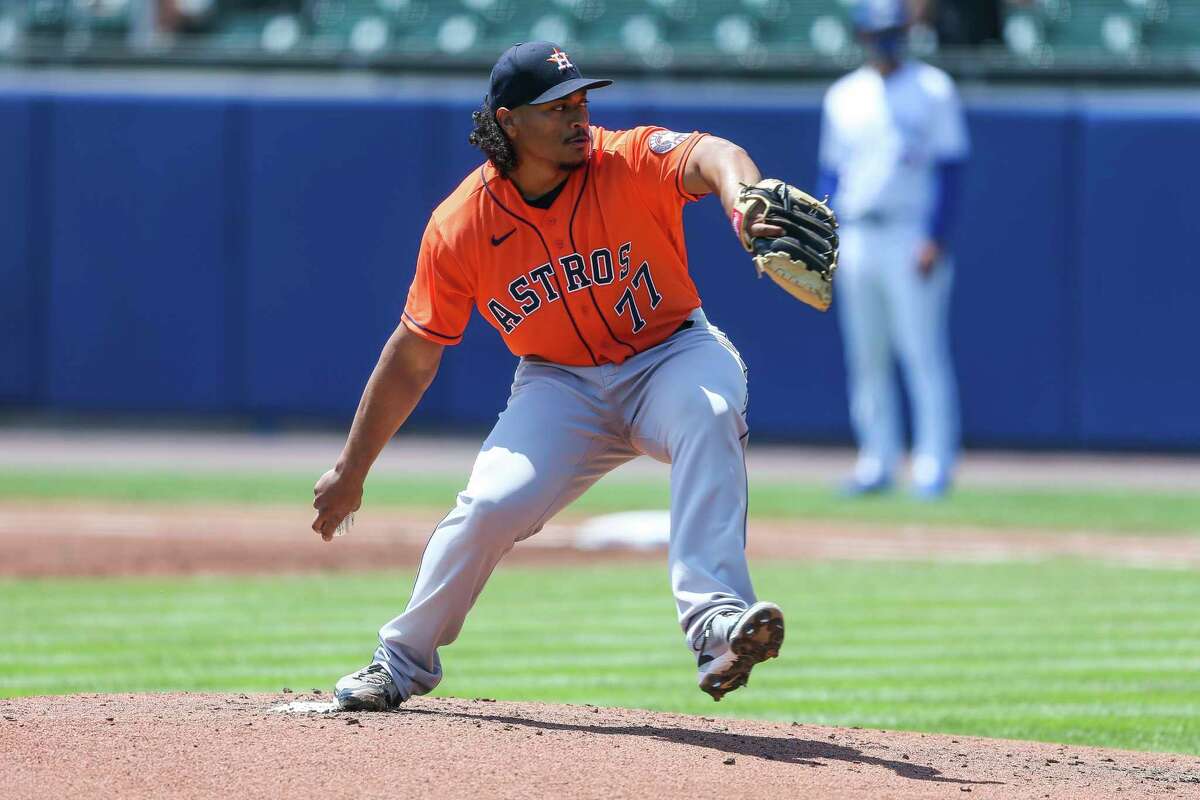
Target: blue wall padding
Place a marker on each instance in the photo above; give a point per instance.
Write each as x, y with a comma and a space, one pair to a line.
1012, 323
334, 211
18, 300
1139, 279
250, 255
137, 273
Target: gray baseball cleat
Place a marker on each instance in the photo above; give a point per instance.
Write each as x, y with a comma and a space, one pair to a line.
733, 642
369, 689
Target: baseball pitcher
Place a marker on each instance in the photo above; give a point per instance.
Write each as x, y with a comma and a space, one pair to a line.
569, 241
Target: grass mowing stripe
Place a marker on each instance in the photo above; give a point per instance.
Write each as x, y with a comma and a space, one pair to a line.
865, 629
828, 651
978, 671
1126, 695
1048, 634
1130, 510
1087, 683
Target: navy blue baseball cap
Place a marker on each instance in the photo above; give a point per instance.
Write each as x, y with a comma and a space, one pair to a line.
535, 72
874, 16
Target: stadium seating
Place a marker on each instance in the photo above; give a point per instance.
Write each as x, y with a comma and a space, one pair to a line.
659, 32
1122, 29
649, 32
1174, 27
80, 18
719, 35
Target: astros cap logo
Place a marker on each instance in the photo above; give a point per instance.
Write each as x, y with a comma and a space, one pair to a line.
560, 58
533, 73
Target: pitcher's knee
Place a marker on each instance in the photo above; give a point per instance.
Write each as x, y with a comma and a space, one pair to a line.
710, 413
494, 521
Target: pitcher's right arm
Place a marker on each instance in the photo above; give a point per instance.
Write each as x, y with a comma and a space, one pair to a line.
405, 369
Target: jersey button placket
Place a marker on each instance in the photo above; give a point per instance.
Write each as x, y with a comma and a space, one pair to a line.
552, 228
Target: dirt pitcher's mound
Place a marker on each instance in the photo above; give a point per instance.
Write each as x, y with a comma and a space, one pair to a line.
193, 746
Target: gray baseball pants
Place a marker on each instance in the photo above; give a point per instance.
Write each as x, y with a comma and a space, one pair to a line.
682, 402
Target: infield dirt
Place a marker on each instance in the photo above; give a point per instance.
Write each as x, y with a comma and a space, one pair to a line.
203, 746
98, 539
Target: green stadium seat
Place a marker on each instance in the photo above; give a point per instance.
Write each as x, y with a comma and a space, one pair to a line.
103, 18
819, 27
263, 31
1097, 25
363, 26
11, 26
45, 16
1174, 27
464, 28
1025, 34
82, 21
685, 28
628, 27
1103, 28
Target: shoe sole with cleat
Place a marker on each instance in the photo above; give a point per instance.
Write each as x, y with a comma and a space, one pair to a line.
757, 637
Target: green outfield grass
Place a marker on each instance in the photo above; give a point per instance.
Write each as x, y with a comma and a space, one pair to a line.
1058, 651
1100, 510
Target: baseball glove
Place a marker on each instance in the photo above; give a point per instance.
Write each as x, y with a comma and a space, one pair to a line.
802, 260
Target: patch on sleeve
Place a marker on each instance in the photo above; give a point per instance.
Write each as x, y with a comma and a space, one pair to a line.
665, 141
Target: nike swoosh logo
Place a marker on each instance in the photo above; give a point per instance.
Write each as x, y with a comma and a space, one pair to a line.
496, 242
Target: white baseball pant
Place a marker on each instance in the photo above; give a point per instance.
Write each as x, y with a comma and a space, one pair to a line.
887, 309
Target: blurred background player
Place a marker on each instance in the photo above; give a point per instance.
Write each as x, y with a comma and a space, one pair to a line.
893, 141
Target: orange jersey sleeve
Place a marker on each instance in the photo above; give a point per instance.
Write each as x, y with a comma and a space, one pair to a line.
656, 158
441, 295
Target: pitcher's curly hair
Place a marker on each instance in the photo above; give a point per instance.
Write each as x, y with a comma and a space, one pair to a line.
489, 138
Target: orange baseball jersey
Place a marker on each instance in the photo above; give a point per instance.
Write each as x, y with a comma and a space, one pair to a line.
598, 277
